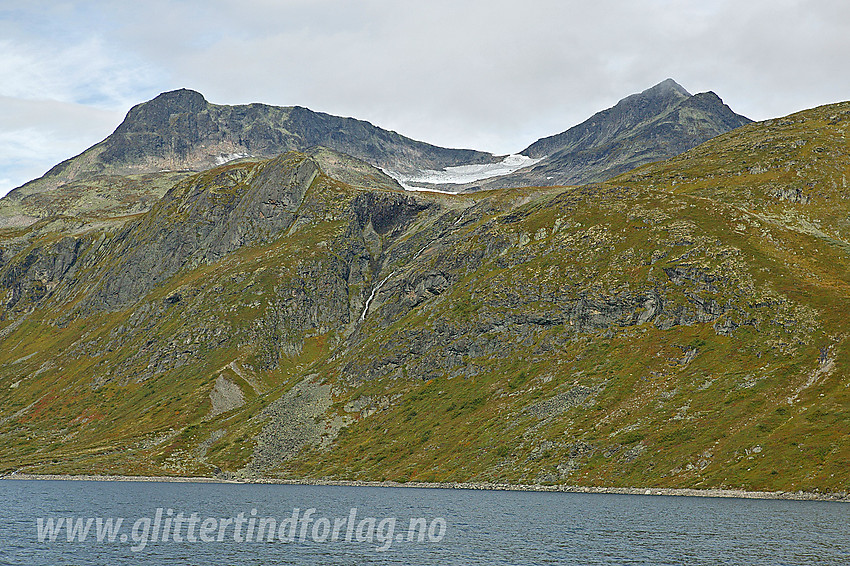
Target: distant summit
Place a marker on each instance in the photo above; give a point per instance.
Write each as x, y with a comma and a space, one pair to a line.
181, 130
172, 102
666, 86
660, 122
608, 125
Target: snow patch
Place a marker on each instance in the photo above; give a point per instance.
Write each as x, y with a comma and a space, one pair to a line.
223, 158
375, 289
462, 174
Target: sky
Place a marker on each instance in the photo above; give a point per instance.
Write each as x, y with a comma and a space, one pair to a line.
492, 75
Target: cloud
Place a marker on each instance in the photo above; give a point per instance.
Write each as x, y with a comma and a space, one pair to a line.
86, 72
499, 74
57, 99
37, 134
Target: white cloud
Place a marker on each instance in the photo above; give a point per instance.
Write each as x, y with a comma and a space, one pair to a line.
498, 74
88, 72
58, 99
37, 134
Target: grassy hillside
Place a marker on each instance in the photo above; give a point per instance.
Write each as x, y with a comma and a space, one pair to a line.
682, 325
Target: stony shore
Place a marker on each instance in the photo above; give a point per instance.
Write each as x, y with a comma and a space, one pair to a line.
725, 493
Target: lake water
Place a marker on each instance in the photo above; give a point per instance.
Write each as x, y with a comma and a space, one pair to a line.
450, 527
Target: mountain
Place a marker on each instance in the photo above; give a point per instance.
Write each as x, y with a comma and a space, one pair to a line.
680, 325
653, 125
179, 132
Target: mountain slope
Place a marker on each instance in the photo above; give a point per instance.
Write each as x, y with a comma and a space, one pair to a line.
653, 125
682, 325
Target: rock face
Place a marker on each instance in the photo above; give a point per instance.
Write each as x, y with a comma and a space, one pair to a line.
608, 125
204, 219
305, 316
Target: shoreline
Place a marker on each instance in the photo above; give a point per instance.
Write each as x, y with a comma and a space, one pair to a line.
676, 492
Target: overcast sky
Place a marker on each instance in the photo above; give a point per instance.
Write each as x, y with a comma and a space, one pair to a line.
492, 75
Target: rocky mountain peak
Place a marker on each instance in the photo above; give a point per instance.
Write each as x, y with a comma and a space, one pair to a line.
180, 131
605, 126
180, 100
156, 113
667, 87
644, 127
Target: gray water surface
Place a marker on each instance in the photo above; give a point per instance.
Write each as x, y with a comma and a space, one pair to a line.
480, 527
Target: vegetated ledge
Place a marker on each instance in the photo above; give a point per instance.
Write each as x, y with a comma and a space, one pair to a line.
842, 496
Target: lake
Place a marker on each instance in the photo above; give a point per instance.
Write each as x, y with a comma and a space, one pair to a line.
255, 524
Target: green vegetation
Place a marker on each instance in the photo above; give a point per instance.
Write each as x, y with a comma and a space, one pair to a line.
682, 325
